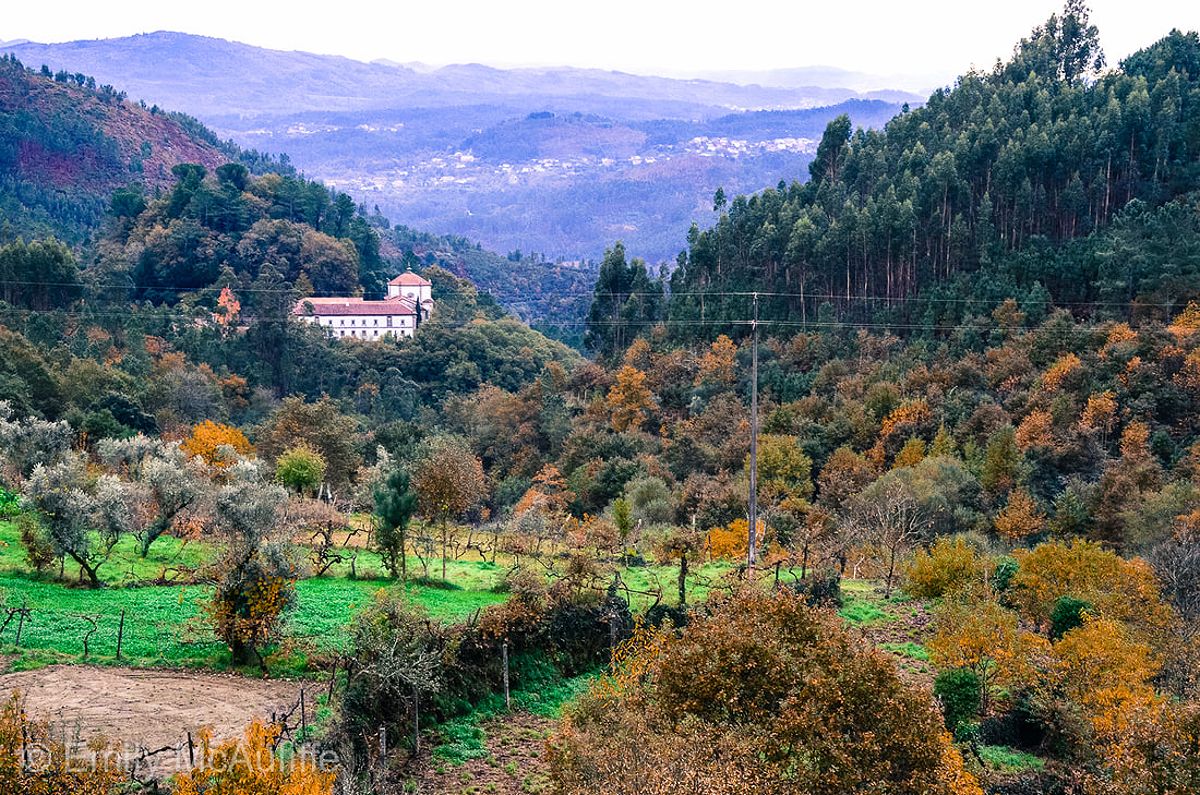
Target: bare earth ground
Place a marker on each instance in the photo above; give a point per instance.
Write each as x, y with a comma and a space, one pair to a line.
146, 708
517, 765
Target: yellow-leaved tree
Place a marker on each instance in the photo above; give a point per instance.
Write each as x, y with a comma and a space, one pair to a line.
208, 438
250, 766
983, 637
629, 400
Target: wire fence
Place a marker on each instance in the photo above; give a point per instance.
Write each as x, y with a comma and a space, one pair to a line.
125, 634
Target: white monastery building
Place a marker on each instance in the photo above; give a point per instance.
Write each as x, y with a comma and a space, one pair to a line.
409, 303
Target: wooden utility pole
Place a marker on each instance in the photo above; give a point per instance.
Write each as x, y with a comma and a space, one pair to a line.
751, 550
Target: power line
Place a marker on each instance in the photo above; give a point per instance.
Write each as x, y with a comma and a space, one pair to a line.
202, 315
806, 296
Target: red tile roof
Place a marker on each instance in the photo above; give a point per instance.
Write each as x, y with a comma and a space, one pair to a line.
410, 279
353, 306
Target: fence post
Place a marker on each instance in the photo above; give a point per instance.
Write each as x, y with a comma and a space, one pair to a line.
303, 717
21, 623
191, 751
120, 633
504, 660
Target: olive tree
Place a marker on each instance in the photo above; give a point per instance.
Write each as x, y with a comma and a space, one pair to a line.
152, 485
28, 442
256, 571
69, 512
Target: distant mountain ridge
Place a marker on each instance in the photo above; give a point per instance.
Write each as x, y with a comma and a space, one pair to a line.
559, 161
240, 79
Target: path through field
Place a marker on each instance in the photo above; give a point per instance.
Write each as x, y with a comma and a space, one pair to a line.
147, 708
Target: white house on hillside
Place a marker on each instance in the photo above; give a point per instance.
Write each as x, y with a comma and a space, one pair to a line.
409, 302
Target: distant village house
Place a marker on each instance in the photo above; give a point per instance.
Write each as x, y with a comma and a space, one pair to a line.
409, 303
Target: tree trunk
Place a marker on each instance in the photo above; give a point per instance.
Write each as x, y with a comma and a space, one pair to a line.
683, 572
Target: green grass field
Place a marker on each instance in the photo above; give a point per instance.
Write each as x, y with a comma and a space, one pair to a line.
165, 624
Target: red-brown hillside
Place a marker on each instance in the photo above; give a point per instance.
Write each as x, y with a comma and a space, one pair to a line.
62, 135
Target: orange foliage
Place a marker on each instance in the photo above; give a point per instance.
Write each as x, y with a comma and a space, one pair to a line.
951, 566
1063, 368
911, 454
759, 694
1021, 518
249, 766
1186, 322
1188, 376
58, 770
629, 399
209, 436
717, 365
1100, 413
252, 619
1118, 335
984, 637
732, 541
1125, 590
904, 417
1036, 430
228, 308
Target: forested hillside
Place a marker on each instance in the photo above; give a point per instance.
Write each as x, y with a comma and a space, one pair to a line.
1043, 174
66, 144
977, 467
74, 156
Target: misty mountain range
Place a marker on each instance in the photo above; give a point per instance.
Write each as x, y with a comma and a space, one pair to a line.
558, 160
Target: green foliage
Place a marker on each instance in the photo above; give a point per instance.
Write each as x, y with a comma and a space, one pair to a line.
1068, 613
910, 649
40, 275
960, 693
951, 200
625, 302
300, 469
10, 503
1010, 760
395, 505
858, 610
1002, 575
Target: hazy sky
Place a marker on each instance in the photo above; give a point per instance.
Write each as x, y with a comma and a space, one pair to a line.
926, 37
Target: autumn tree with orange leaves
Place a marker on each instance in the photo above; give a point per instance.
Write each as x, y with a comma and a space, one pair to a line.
629, 400
213, 441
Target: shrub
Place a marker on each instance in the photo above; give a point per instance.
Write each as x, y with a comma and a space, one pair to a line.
249, 765
1002, 575
300, 469
1125, 590
396, 663
822, 589
10, 503
950, 566
39, 549
960, 692
1067, 614
58, 770
731, 705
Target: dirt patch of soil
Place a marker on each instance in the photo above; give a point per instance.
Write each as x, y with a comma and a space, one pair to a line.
516, 764
146, 708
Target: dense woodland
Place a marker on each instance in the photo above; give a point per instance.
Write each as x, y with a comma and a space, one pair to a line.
979, 367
